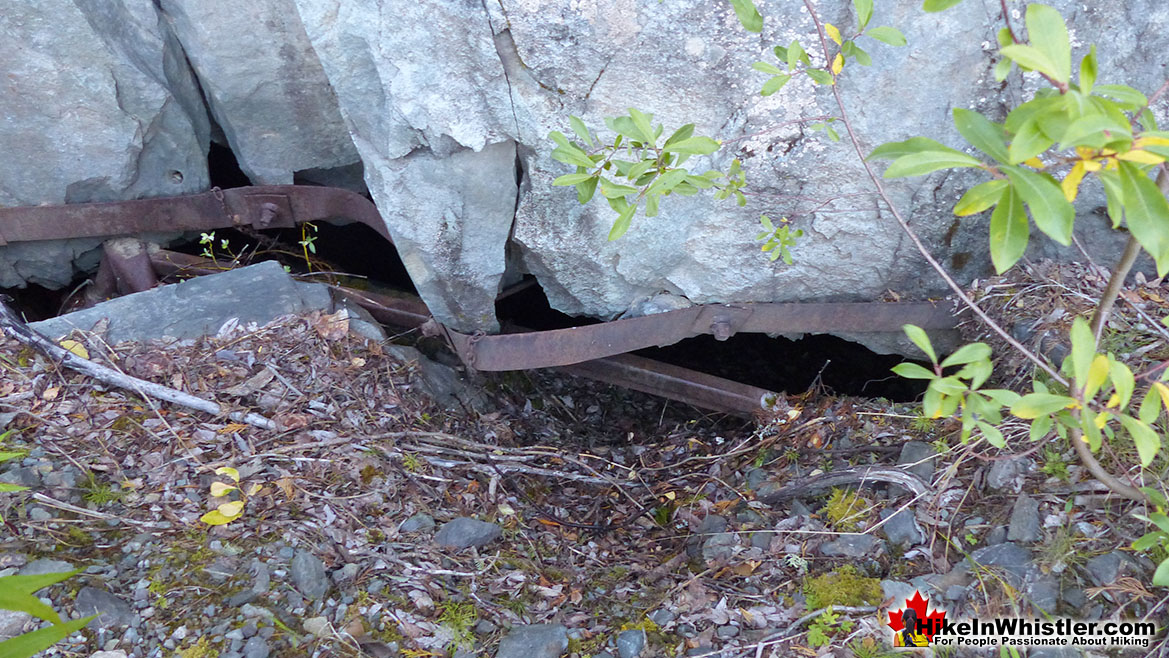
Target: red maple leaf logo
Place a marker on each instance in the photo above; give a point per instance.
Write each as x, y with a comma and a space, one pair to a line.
931, 622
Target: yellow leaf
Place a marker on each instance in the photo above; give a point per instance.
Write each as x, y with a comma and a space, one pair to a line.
1071, 182
1142, 157
1163, 391
1102, 420
837, 64
231, 427
1097, 375
231, 510
254, 489
75, 347
220, 489
1085, 152
228, 471
285, 485
214, 517
1113, 401
1035, 162
1091, 165
1150, 141
833, 33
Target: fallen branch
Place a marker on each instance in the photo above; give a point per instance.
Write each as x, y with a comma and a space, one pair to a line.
865, 475
16, 328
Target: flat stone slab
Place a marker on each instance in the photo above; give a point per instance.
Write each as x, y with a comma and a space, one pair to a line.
257, 293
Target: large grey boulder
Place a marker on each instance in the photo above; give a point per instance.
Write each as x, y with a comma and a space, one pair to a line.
96, 104
264, 86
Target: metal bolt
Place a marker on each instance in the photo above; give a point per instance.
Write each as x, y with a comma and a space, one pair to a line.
721, 329
268, 212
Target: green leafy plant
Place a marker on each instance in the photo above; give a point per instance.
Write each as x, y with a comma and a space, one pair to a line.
99, 492
845, 509
18, 593
637, 166
308, 242
778, 241
828, 624
459, 618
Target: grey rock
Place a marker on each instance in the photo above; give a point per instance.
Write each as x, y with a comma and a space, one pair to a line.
264, 85
1007, 474
851, 546
197, 307
762, 540
25, 476
955, 593
661, 617
318, 626
308, 574
38, 513
997, 535
1024, 526
346, 573
1074, 597
719, 546
712, 524
45, 565
920, 457
704, 652
534, 641
901, 529
256, 647
1042, 591
1105, 569
897, 590
12, 623
726, 632
756, 477
483, 627
1013, 559
465, 532
420, 522
112, 611
631, 643
143, 130
242, 597
442, 382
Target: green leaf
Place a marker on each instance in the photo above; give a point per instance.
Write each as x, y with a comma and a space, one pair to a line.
1123, 382
1088, 71
1002, 69
1029, 142
748, 15
850, 49
764, 67
913, 371
571, 179
1150, 407
559, 138
611, 190
886, 34
1030, 57
1114, 195
1040, 428
667, 181
586, 190
1128, 97
1035, 405
1147, 213
890, 150
693, 145
580, 129
980, 197
9, 488
574, 156
925, 162
1083, 350
1147, 441
780, 53
921, 339
992, 434
1095, 130
1043, 103
967, 353
621, 225
1049, 208
820, 76
1009, 231
795, 55
938, 5
651, 205
864, 12
1048, 34
981, 133
643, 123
775, 84
948, 386
1147, 541
30, 644
1161, 575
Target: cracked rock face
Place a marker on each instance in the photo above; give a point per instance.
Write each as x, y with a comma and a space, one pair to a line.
446, 105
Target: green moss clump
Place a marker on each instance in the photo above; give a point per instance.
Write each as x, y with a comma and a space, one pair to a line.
845, 509
842, 587
201, 649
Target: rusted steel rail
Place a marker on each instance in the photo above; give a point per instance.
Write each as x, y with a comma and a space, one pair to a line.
598, 351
